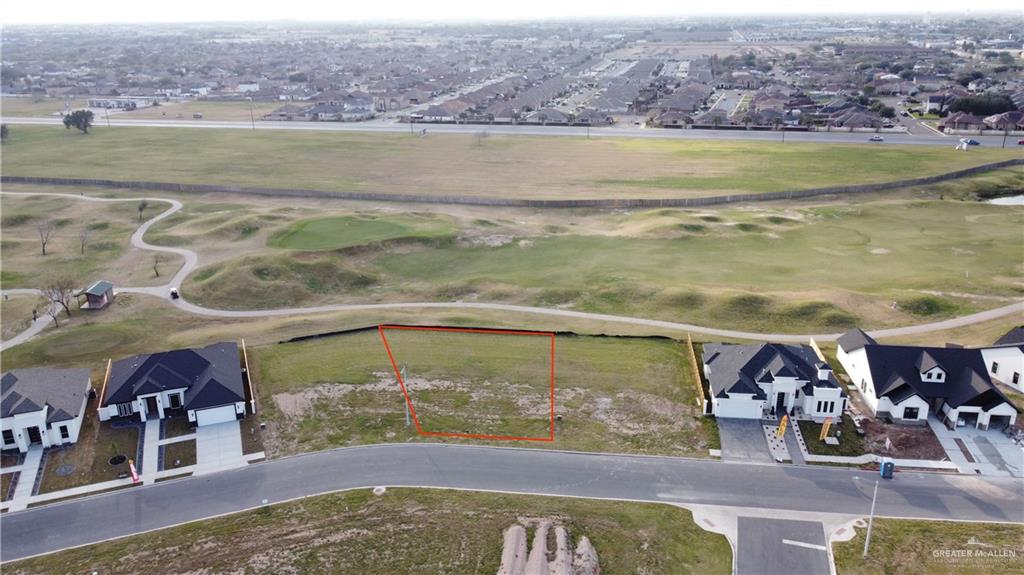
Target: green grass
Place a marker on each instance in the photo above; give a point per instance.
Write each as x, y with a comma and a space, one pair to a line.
405, 531
629, 395
850, 443
344, 231
451, 164
904, 547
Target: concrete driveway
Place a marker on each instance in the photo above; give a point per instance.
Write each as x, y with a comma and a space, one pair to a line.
781, 547
218, 447
743, 440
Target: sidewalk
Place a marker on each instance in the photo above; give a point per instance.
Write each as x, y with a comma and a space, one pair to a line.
27, 479
150, 451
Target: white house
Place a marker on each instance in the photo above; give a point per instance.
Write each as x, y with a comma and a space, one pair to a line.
42, 406
205, 383
750, 381
907, 383
1004, 359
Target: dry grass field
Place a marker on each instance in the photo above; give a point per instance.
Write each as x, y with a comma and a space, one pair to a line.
211, 111
37, 106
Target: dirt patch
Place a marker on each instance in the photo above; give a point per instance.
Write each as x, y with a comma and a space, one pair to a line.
906, 441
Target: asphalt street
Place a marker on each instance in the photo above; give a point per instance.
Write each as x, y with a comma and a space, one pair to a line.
925, 138
528, 471
781, 547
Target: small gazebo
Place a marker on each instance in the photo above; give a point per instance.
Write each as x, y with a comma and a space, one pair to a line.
97, 296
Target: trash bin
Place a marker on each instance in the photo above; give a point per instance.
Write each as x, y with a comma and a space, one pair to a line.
887, 468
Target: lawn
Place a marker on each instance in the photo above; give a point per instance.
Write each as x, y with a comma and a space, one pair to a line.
97, 443
5, 485
612, 394
16, 311
182, 451
211, 111
107, 228
405, 531
850, 444
462, 165
903, 547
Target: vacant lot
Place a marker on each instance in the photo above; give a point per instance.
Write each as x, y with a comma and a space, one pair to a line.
499, 166
104, 228
612, 394
211, 111
901, 547
36, 107
404, 531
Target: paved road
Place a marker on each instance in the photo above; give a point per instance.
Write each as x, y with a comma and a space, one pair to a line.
192, 261
661, 479
925, 138
781, 547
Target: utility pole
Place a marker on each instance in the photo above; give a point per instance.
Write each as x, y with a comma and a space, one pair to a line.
107, 112
871, 520
1005, 133
252, 115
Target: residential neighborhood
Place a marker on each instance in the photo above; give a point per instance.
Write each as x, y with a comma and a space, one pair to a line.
513, 289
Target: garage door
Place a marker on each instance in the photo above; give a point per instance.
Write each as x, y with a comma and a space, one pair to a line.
215, 415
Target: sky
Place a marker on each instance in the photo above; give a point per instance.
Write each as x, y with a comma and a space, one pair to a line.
77, 12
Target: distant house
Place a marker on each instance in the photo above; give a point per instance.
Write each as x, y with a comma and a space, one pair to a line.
908, 383
205, 383
751, 381
287, 112
1005, 358
548, 117
1005, 121
42, 406
961, 121
97, 296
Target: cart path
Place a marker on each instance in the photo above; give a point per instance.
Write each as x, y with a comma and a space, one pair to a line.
191, 261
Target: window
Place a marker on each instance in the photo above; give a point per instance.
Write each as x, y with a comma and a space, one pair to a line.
995, 367
124, 409
175, 401
1016, 377
8, 436
910, 413
64, 432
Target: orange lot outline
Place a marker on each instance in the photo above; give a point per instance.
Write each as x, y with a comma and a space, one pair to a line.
412, 409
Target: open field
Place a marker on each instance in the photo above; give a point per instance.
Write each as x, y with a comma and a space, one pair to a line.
90, 455
903, 547
498, 166
625, 395
406, 531
37, 106
212, 111
107, 254
16, 313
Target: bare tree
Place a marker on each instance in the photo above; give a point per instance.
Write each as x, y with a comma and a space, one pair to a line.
142, 207
157, 260
45, 229
53, 311
83, 237
60, 289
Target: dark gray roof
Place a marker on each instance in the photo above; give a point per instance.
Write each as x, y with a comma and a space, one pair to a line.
739, 368
894, 367
211, 376
99, 288
854, 340
63, 391
1013, 337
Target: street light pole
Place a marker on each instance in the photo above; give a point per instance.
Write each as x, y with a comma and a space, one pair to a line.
871, 520
252, 116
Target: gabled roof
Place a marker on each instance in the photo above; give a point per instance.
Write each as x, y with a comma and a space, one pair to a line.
855, 339
739, 368
63, 391
1013, 337
901, 366
99, 288
210, 376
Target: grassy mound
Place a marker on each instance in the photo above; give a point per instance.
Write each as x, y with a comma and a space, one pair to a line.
346, 231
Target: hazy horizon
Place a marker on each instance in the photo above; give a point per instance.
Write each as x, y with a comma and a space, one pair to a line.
462, 11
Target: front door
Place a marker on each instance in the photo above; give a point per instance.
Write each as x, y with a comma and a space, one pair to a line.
151, 405
780, 403
34, 435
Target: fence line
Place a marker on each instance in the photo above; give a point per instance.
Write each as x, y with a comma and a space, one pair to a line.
506, 202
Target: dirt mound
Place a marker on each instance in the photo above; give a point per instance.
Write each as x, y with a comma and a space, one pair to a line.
562, 560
